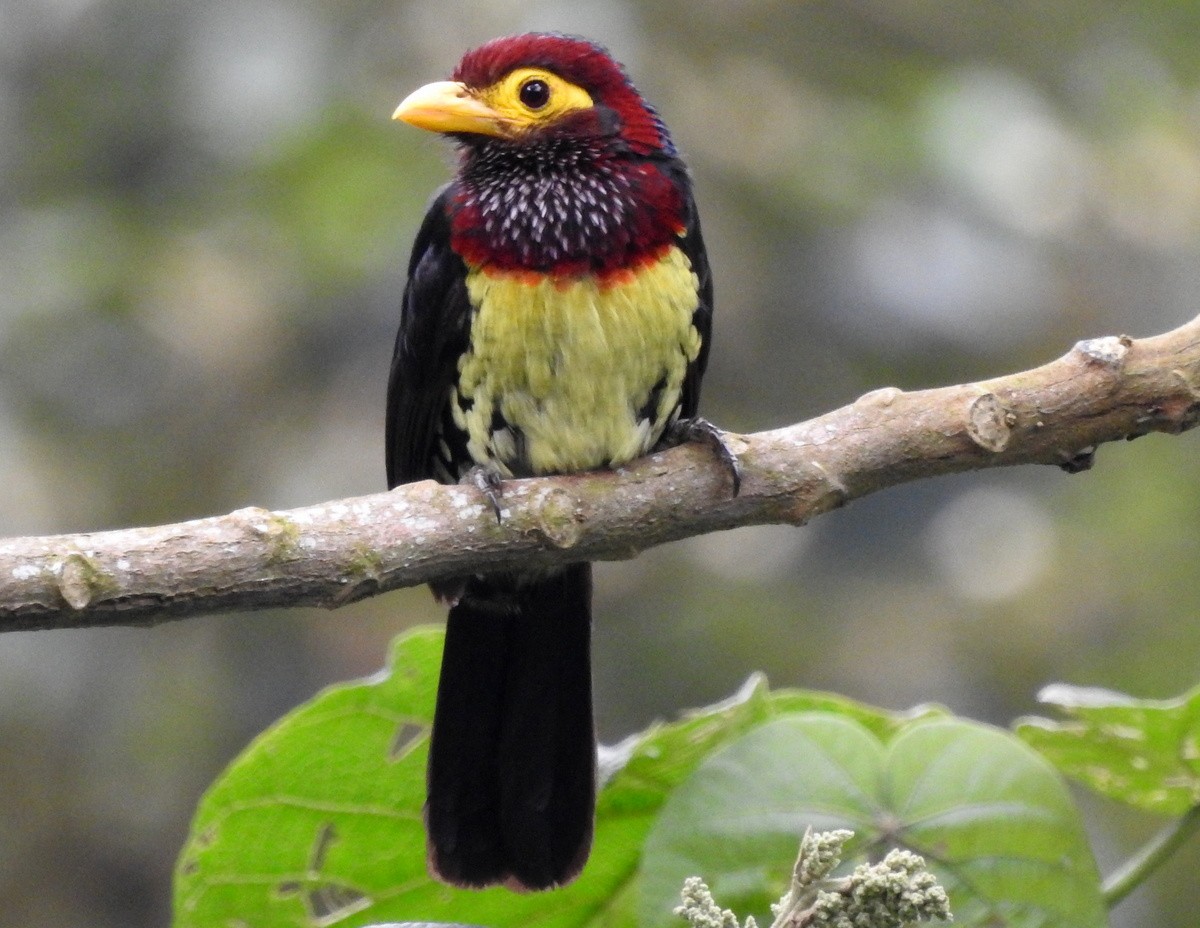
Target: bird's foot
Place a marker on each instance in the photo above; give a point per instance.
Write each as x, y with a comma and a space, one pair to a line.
486, 478
703, 431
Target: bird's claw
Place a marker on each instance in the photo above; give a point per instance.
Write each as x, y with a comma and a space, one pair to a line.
487, 480
703, 431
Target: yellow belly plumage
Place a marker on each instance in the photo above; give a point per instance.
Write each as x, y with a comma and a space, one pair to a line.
560, 373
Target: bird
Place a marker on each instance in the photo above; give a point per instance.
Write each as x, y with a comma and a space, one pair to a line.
556, 319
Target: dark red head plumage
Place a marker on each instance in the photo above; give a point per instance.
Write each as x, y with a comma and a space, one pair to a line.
581, 62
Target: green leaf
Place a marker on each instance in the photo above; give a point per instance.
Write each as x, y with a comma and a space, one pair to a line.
1142, 752
993, 820
318, 823
320, 817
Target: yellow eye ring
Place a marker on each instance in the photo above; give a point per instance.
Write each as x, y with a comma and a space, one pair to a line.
529, 97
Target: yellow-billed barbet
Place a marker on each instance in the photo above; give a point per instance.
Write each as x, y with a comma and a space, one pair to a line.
556, 320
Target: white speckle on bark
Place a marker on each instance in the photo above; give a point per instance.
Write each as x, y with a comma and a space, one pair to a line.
1109, 351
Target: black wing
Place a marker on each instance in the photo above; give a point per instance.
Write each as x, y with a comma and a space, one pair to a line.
693, 246
434, 320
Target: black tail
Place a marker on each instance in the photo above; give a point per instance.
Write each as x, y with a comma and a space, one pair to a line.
512, 765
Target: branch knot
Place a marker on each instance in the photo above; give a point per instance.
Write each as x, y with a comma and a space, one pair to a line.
1109, 351
989, 423
557, 517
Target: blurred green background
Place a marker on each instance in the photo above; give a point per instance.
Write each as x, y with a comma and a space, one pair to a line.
205, 214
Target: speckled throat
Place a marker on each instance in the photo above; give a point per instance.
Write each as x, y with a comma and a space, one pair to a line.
560, 205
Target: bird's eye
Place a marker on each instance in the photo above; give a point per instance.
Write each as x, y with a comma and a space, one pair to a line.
535, 93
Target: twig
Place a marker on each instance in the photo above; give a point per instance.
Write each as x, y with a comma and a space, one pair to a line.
1159, 849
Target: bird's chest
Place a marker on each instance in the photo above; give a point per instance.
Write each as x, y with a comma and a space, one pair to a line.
569, 375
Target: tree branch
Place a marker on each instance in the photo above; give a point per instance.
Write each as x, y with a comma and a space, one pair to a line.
1102, 390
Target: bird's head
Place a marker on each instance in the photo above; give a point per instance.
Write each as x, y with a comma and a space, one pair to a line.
527, 88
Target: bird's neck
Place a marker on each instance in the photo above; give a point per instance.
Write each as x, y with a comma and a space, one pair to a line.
561, 207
